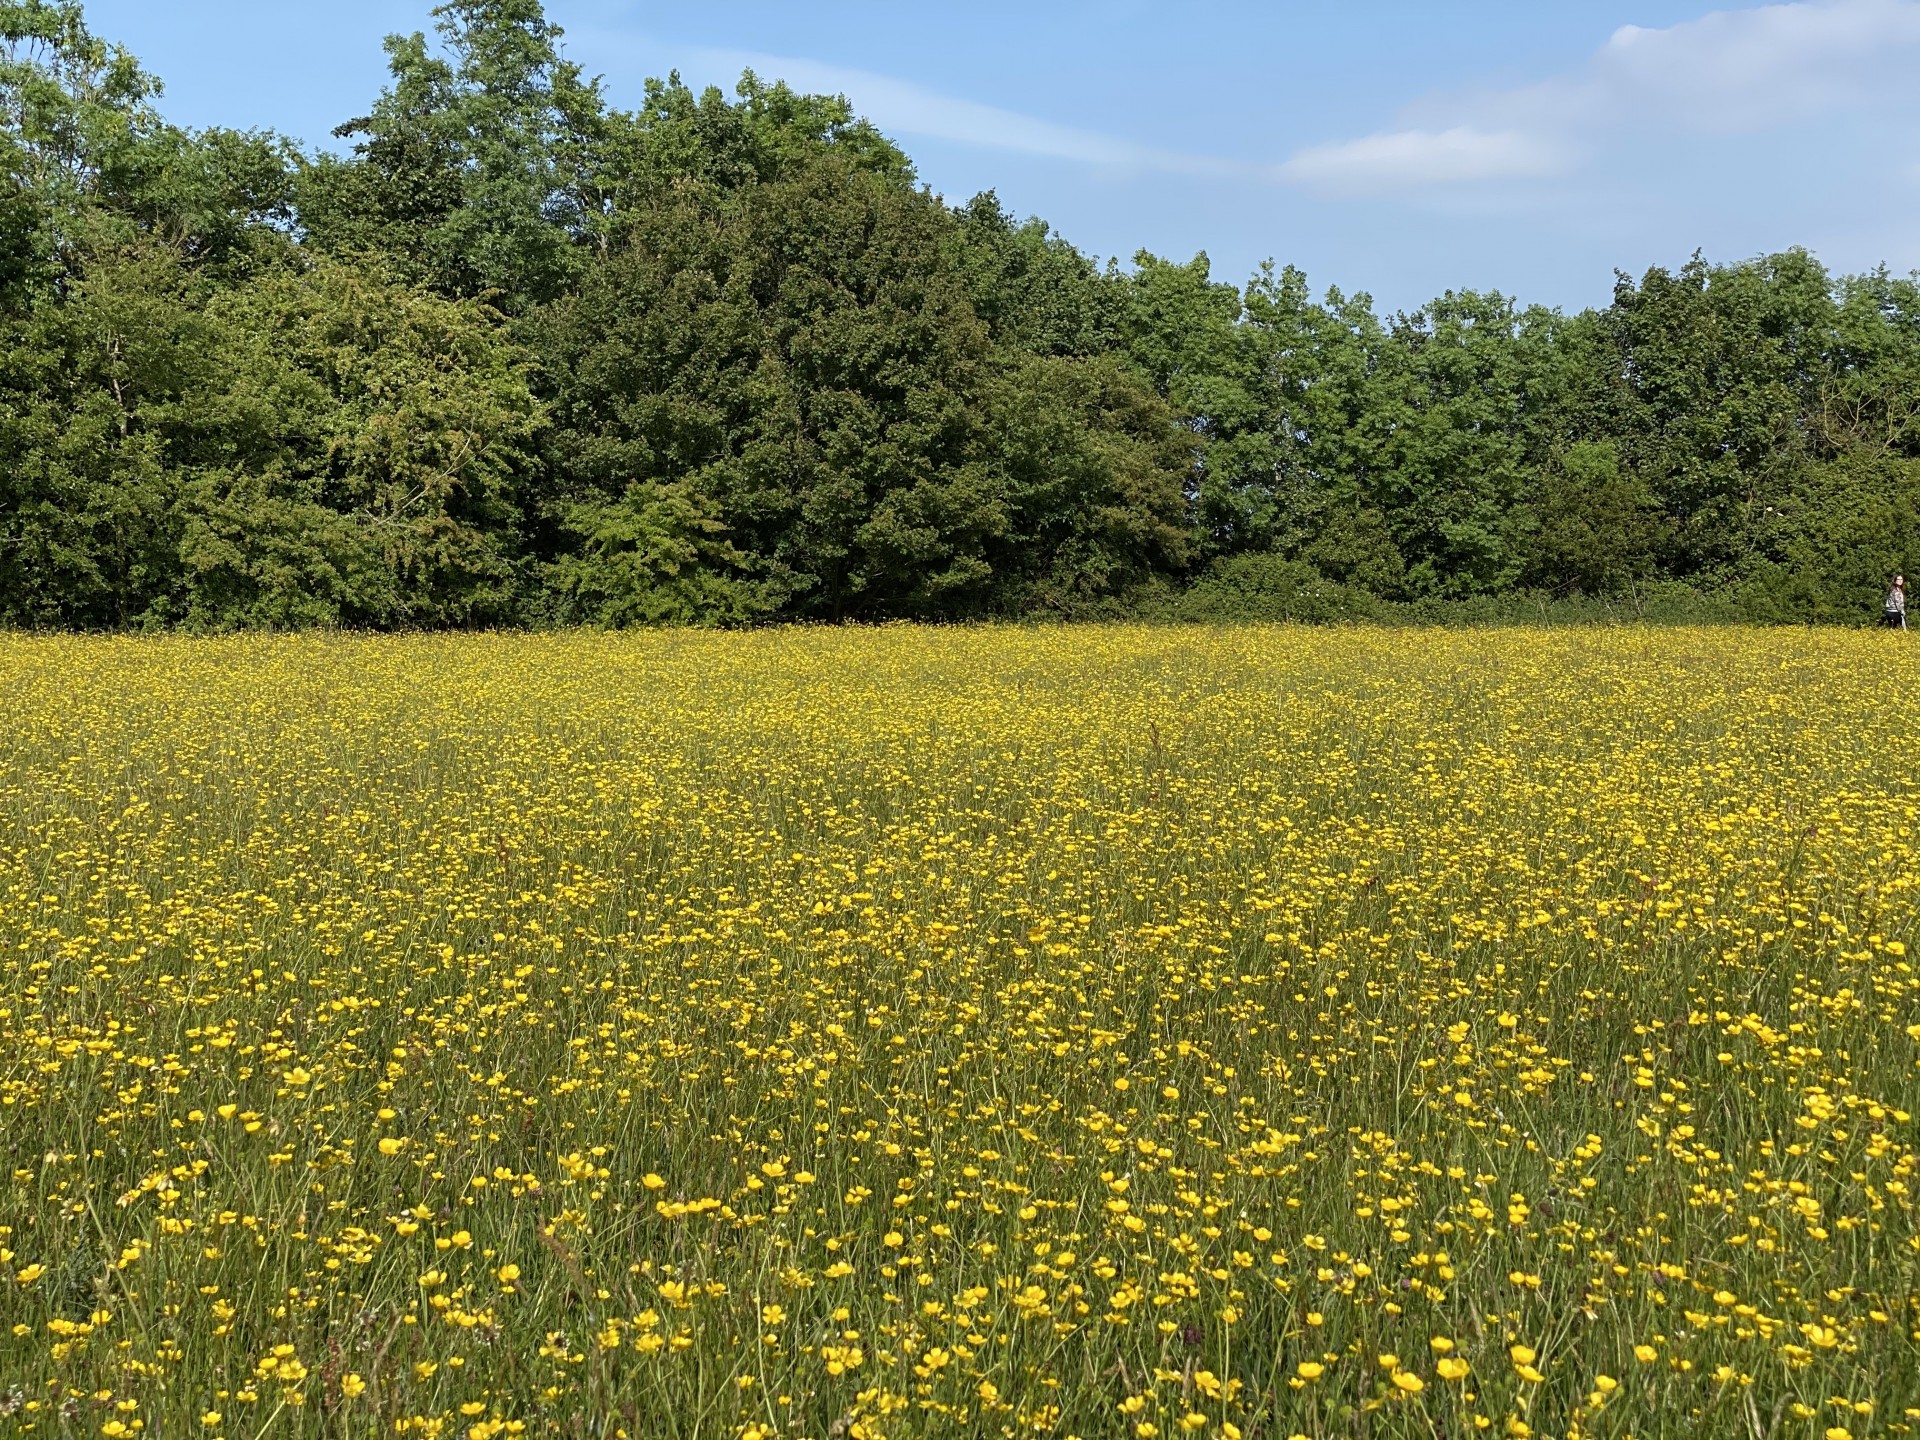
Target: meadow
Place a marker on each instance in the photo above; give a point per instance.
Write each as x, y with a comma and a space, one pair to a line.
1130, 1032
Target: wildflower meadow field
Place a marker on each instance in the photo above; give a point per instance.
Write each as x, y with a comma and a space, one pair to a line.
885, 1033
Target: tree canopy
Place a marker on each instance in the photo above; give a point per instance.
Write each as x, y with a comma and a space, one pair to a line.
512, 355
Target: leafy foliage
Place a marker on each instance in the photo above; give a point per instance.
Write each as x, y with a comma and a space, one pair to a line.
519, 356
314, 446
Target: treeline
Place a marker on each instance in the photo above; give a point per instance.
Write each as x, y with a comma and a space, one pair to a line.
515, 356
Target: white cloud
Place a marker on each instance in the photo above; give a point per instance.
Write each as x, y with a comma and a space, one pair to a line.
1405, 158
1746, 70
1728, 72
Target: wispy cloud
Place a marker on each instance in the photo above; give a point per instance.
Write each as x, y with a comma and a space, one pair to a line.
1425, 157
1738, 71
901, 107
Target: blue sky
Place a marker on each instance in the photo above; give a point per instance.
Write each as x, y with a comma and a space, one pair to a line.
1400, 148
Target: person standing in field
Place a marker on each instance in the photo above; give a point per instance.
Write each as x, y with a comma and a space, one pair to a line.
1896, 614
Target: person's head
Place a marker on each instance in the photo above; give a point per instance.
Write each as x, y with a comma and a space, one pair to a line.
1899, 582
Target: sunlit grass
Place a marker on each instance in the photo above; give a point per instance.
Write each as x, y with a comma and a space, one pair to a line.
890, 1033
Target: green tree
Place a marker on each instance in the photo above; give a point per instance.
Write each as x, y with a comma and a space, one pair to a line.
87, 482
89, 162
477, 170
315, 445
764, 133
1597, 525
786, 381
1182, 330
798, 356
653, 555
360, 460
1035, 292
1319, 495
1705, 389
719, 359
1095, 468
1461, 398
1866, 392
76, 114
